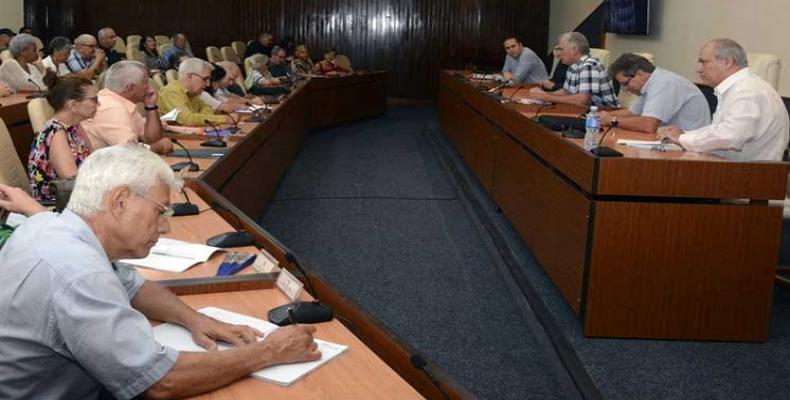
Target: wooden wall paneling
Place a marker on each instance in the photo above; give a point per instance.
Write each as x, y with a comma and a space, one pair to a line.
682, 271
413, 39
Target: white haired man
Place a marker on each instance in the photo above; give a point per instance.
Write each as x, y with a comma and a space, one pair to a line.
74, 321
750, 123
184, 93
117, 120
107, 38
586, 82
85, 58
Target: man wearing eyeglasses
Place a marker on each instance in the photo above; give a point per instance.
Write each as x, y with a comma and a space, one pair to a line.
85, 58
522, 65
665, 98
75, 321
194, 75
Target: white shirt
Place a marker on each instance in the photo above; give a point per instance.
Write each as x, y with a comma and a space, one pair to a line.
61, 70
13, 74
750, 123
210, 100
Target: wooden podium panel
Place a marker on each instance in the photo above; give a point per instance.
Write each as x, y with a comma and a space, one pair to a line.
648, 245
13, 111
356, 374
682, 271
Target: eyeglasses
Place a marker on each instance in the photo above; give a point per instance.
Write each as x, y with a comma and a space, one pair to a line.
204, 78
164, 211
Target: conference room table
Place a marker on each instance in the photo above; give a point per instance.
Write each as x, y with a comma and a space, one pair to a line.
231, 193
671, 245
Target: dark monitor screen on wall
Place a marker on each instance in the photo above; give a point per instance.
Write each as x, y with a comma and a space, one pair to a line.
631, 17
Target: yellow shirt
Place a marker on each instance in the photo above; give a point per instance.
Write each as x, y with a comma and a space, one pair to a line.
193, 110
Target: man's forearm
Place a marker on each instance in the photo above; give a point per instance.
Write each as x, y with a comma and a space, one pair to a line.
153, 127
574, 99
639, 123
158, 303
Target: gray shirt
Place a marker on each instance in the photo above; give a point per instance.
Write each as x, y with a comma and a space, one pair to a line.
673, 100
527, 68
67, 327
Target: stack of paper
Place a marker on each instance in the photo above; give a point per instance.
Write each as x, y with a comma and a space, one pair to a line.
253, 108
650, 145
174, 255
176, 337
171, 116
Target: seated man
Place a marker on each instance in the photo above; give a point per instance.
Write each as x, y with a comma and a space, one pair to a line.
665, 98
209, 95
85, 58
263, 45
277, 64
586, 82
180, 44
230, 89
107, 40
5, 38
74, 322
117, 120
750, 123
194, 75
522, 65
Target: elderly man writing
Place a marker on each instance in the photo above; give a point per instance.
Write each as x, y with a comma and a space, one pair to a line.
74, 322
194, 75
750, 122
117, 120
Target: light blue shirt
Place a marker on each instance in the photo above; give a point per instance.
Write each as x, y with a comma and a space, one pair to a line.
67, 327
527, 68
673, 100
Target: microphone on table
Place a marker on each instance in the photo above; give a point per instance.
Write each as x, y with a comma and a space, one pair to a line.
235, 127
218, 142
184, 164
188, 208
257, 114
39, 93
603, 151
500, 86
300, 312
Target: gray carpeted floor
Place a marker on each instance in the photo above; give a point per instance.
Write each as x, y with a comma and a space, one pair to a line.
374, 210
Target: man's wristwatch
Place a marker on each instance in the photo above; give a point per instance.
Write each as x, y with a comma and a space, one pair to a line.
152, 108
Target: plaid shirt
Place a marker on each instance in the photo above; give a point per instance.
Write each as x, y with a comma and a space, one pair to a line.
75, 62
588, 76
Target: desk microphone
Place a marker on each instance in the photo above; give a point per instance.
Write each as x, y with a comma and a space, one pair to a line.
500, 86
235, 123
257, 114
188, 208
603, 151
418, 362
304, 312
218, 142
39, 93
184, 164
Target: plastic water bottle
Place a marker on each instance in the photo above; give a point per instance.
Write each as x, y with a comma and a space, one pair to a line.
592, 128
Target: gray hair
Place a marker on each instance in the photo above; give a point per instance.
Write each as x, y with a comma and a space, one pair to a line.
85, 38
576, 40
228, 66
59, 43
129, 165
104, 32
192, 66
259, 61
728, 48
19, 43
124, 73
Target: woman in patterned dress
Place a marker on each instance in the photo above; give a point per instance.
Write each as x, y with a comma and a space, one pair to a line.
61, 146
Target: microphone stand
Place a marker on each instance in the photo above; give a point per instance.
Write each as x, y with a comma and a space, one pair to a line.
603, 151
188, 208
257, 114
218, 142
184, 164
235, 123
39, 93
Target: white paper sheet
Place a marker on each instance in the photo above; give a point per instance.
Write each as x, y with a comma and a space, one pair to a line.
174, 255
177, 337
649, 144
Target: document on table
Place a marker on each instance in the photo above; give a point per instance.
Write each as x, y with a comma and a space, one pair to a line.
252, 108
650, 145
171, 116
177, 337
174, 255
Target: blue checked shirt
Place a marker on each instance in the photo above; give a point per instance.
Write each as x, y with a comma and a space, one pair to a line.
588, 76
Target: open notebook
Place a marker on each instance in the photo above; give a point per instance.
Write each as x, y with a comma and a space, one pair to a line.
179, 338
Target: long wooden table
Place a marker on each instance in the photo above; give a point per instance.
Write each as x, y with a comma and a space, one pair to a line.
233, 192
675, 245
